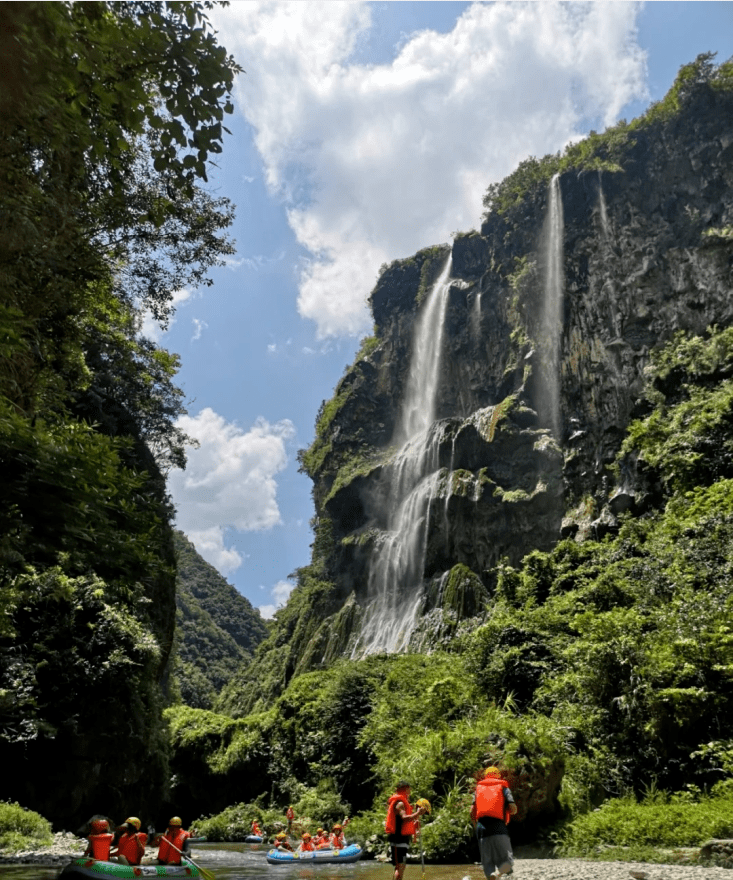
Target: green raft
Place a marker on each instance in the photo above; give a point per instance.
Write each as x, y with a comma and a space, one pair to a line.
86, 867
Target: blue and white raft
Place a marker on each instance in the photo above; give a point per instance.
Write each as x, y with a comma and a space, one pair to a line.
253, 838
350, 853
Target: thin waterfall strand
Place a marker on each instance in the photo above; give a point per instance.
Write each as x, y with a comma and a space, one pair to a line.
552, 316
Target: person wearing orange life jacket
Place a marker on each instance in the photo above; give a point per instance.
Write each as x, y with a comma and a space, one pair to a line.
131, 843
336, 838
493, 805
282, 842
320, 840
306, 844
400, 826
174, 839
100, 840
290, 815
256, 828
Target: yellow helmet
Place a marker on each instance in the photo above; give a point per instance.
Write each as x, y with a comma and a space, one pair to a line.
492, 771
133, 820
176, 820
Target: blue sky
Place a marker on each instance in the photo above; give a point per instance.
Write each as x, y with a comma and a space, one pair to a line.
363, 132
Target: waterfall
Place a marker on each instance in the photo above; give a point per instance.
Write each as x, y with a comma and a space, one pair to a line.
602, 210
552, 308
395, 587
476, 322
418, 402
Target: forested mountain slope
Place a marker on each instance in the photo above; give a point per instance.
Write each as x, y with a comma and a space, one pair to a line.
216, 627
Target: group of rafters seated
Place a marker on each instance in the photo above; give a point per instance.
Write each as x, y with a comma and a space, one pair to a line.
311, 842
127, 844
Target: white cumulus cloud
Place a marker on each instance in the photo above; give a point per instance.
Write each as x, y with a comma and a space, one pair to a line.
229, 482
378, 160
279, 593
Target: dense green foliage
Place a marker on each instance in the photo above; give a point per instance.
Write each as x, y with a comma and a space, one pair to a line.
109, 113
602, 669
659, 820
217, 629
22, 829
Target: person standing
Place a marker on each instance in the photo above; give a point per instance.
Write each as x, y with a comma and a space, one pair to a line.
173, 843
400, 826
290, 815
493, 805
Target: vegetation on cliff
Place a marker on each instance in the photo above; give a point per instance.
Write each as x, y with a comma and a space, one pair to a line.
607, 151
102, 218
217, 629
603, 668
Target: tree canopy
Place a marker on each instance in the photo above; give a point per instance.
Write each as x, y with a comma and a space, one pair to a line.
110, 115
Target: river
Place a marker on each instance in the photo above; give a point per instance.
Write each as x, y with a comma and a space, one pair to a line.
239, 861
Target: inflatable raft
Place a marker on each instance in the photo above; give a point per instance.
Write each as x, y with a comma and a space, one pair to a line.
253, 838
86, 867
351, 853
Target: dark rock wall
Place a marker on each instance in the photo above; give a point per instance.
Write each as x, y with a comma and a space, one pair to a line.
638, 268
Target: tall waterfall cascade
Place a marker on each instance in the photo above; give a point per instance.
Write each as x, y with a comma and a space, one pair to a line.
552, 308
396, 571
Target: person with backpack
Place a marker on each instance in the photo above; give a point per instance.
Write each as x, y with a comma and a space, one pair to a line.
493, 805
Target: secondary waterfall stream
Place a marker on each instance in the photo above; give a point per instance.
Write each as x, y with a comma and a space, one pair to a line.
398, 561
552, 307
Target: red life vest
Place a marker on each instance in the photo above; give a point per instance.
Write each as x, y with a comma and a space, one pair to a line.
337, 841
132, 847
490, 799
166, 853
306, 846
390, 824
100, 844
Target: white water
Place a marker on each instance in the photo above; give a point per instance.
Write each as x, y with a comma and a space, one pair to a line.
552, 311
603, 211
398, 562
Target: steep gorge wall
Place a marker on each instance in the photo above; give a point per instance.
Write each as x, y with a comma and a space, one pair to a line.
646, 254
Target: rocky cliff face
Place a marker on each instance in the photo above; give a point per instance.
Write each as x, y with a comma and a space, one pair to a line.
526, 416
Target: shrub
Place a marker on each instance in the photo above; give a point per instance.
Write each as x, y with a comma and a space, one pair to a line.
235, 822
22, 829
658, 820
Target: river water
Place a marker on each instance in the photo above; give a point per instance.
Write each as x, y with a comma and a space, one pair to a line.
241, 861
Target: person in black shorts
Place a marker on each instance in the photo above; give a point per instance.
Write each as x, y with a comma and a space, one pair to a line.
400, 826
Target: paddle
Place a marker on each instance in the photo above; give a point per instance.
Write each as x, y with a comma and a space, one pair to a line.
207, 875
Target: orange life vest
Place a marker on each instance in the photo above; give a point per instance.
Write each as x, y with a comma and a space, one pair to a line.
132, 846
166, 853
306, 846
390, 824
490, 799
100, 844
337, 841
